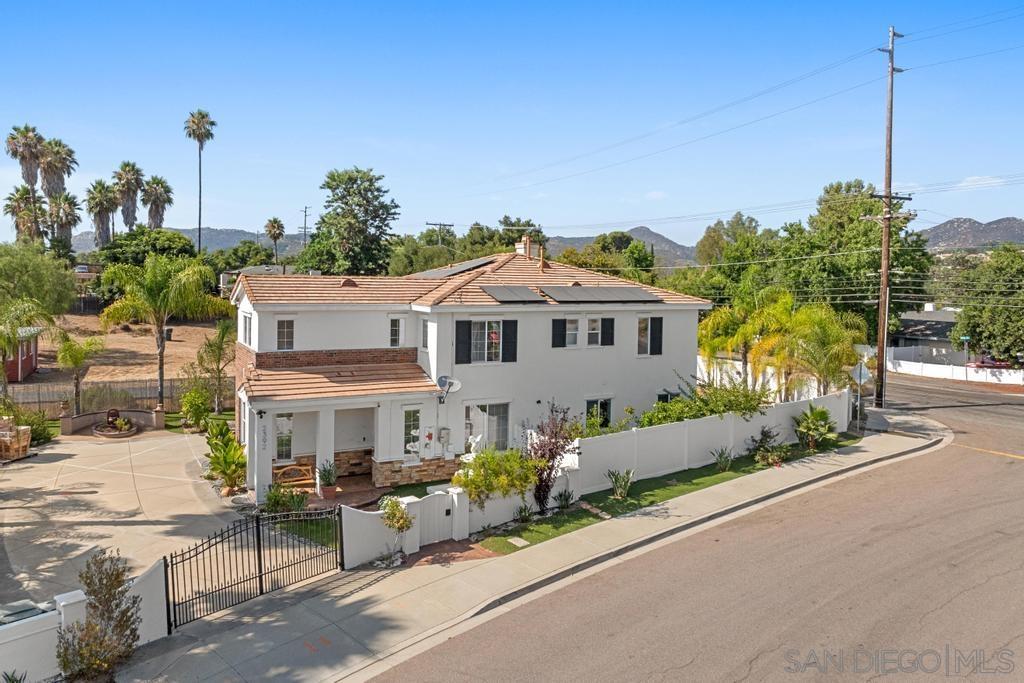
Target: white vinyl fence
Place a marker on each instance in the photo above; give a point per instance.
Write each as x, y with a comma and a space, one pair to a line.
957, 372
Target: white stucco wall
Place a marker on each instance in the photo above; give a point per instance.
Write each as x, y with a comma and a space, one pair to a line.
336, 329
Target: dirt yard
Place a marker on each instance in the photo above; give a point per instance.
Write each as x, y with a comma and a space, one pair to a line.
130, 351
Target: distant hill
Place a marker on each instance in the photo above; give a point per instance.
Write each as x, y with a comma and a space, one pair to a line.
665, 250
967, 233
213, 239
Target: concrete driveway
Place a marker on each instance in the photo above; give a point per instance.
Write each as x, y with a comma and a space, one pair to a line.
142, 495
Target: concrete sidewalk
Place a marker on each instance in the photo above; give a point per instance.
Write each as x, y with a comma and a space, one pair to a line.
341, 625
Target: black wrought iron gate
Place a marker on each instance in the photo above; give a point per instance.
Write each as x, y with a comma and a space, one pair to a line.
248, 558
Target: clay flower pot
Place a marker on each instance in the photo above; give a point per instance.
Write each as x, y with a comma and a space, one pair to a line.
328, 492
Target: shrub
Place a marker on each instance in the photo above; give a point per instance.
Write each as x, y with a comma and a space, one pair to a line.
327, 473
707, 399
395, 517
218, 436
15, 677
591, 426
195, 406
621, 481
123, 424
227, 463
723, 458
564, 499
90, 650
36, 419
815, 428
282, 499
551, 440
491, 471
523, 514
766, 440
771, 456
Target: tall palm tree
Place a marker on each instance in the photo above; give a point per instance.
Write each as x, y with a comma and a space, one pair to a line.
23, 205
15, 315
157, 195
25, 145
63, 217
275, 231
128, 180
56, 163
161, 288
101, 203
199, 127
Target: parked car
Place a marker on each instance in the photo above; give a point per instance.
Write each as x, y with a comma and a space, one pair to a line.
989, 362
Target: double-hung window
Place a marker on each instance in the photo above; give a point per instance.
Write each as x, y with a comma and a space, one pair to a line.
423, 333
283, 429
246, 332
395, 333
485, 341
600, 409
593, 331
285, 335
411, 432
488, 425
572, 332
643, 336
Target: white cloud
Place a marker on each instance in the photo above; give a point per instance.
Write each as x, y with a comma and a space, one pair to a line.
981, 181
655, 195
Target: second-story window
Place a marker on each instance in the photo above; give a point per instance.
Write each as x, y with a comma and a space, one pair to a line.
395, 339
593, 331
572, 332
486, 338
245, 334
285, 335
423, 334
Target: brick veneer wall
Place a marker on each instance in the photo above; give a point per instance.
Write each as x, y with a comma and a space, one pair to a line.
394, 473
354, 462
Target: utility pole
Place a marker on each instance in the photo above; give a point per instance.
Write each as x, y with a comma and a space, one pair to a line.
883, 293
440, 226
305, 214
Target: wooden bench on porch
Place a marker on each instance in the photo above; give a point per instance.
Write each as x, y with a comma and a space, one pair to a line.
295, 475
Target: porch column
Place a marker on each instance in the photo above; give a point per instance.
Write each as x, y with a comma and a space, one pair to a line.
250, 442
324, 440
265, 447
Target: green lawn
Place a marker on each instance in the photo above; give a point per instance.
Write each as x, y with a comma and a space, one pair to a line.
418, 490
54, 427
317, 530
172, 421
540, 530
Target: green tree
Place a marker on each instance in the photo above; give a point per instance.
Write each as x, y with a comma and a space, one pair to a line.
128, 181
352, 235
215, 355
73, 355
16, 315
992, 314
711, 247
157, 195
64, 216
159, 289
245, 253
199, 127
639, 262
56, 163
275, 231
25, 145
592, 257
614, 242
134, 247
514, 229
101, 203
26, 270
23, 206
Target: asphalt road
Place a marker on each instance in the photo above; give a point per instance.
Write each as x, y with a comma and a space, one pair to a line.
904, 566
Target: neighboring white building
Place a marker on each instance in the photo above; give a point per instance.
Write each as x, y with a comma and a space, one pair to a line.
346, 368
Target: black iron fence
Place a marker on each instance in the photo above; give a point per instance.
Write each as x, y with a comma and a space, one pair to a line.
132, 394
252, 556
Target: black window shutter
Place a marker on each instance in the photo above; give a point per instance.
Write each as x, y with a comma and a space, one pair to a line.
655, 336
558, 333
463, 334
607, 331
509, 340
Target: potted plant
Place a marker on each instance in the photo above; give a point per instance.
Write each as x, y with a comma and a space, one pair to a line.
327, 473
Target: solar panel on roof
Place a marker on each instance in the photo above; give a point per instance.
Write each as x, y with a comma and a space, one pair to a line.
441, 273
600, 295
513, 294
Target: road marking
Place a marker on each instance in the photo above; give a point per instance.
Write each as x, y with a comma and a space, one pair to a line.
986, 450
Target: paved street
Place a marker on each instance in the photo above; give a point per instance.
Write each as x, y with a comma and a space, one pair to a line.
918, 555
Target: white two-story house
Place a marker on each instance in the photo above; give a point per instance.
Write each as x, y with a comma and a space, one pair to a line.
348, 368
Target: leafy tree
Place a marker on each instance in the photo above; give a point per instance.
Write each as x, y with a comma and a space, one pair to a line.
639, 262
990, 291
159, 289
199, 127
128, 182
245, 253
215, 356
711, 247
275, 231
26, 270
496, 472
101, 203
15, 315
25, 145
73, 355
614, 242
514, 229
157, 195
134, 247
352, 235
593, 258
552, 438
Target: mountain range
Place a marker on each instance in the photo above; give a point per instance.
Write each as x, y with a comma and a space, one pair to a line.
666, 251
213, 239
967, 233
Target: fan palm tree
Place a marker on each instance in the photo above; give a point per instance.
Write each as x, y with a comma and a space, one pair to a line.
23, 205
101, 203
128, 180
63, 217
161, 288
157, 195
15, 315
275, 231
199, 127
56, 163
72, 355
25, 145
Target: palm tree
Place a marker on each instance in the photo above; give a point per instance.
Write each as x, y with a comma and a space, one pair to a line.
275, 231
56, 163
159, 289
128, 180
23, 205
824, 343
63, 217
14, 316
101, 203
72, 355
157, 195
214, 357
199, 127
776, 346
25, 146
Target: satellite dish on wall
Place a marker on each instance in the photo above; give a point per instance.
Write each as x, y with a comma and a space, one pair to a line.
447, 385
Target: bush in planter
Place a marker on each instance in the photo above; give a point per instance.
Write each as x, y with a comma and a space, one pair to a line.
496, 472
195, 406
815, 428
327, 474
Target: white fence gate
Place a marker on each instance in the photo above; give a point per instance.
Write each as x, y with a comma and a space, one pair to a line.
435, 518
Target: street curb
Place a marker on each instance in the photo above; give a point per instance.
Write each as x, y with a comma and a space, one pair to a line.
591, 562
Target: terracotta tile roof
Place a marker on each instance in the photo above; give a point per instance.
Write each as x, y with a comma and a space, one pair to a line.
333, 289
336, 381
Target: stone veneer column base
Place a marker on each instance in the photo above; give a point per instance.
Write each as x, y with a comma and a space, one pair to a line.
396, 473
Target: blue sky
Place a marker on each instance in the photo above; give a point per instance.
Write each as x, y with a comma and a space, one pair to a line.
453, 104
